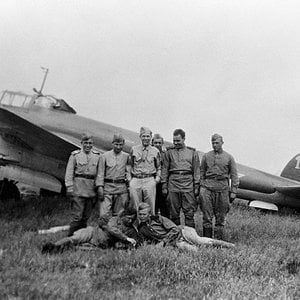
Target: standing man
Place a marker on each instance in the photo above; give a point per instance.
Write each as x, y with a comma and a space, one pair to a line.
216, 170
113, 179
161, 200
146, 171
181, 179
80, 180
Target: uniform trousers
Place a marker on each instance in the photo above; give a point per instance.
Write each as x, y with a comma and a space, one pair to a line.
186, 201
143, 190
93, 236
214, 203
191, 240
112, 205
81, 211
161, 202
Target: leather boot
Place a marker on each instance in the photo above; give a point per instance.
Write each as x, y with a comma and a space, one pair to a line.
74, 226
207, 232
219, 233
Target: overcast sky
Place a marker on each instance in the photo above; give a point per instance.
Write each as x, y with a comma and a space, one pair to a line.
231, 67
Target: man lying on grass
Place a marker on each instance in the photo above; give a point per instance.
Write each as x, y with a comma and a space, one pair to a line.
118, 232
162, 231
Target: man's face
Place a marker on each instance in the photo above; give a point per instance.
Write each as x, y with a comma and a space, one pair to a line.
217, 144
128, 219
158, 144
146, 138
178, 141
118, 146
87, 145
143, 216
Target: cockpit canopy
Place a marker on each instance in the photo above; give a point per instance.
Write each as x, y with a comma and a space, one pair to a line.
19, 99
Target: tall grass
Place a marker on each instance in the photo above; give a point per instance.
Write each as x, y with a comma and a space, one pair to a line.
264, 265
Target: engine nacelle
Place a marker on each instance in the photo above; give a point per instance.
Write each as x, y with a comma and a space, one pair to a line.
31, 177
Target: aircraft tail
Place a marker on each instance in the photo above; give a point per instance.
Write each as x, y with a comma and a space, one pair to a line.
292, 169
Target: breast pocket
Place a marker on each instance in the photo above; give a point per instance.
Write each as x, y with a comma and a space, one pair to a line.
81, 165
210, 162
150, 158
110, 162
93, 164
137, 157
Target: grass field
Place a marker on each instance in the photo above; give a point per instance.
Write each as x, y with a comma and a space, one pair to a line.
264, 265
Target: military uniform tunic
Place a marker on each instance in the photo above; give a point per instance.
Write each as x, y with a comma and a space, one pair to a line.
184, 160
81, 173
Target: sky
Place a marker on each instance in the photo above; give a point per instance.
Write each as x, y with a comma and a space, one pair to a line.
227, 67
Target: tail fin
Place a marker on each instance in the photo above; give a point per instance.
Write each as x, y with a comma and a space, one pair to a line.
292, 169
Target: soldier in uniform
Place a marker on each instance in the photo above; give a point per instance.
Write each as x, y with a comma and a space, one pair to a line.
118, 232
216, 169
181, 179
161, 200
80, 180
145, 171
163, 232
112, 179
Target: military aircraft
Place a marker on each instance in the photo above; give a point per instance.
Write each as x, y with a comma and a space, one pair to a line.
38, 133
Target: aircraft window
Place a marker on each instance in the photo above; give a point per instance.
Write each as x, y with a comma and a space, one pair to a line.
15, 100
45, 102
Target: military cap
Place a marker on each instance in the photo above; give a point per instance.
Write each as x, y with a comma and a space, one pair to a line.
143, 206
145, 130
157, 136
86, 136
216, 136
118, 137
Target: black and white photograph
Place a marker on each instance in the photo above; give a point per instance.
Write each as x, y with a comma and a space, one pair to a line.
149, 149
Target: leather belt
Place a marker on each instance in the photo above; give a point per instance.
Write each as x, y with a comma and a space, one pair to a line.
114, 180
86, 176
144, 175
218, 178
181, 172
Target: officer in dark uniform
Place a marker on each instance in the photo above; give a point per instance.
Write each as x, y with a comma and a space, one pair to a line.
181, 179
80, 180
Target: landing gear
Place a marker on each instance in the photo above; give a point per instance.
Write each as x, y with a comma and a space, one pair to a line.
9, 190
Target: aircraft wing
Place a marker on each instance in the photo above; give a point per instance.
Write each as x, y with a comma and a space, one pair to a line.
26, 134
292, 191
76, 142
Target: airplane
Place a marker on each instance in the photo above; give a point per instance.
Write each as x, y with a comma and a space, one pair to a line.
38, 132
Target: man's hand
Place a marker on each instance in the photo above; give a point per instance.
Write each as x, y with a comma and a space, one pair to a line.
164, 189
131, 241
160, 244
157, 179
196, 190
69, 191
232, 197
100, 193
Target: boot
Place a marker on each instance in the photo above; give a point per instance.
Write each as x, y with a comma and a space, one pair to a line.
74, 226
207, 232
219, 233
48, 248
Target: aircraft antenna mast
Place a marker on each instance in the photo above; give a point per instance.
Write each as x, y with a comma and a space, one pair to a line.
44, 79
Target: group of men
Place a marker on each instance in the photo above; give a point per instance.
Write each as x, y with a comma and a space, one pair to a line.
148, 188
